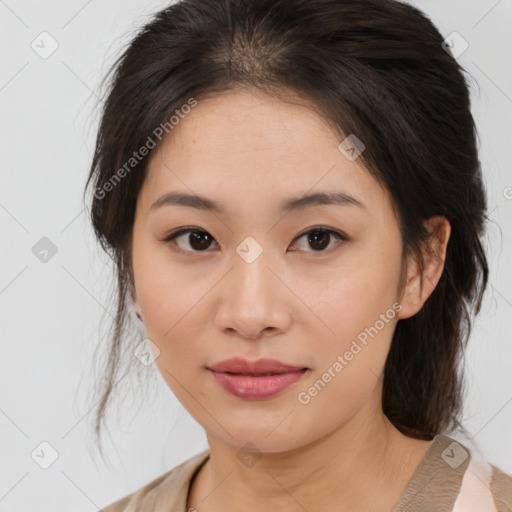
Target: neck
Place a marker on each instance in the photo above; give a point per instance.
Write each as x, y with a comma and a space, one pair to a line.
333, 473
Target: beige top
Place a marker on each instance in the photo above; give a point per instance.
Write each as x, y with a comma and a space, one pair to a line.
448, 479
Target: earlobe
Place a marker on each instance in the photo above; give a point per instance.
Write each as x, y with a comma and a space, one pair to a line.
138, 309
421, 282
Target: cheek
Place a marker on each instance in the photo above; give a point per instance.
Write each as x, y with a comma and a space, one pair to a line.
351, 297
349, 363
359, 311
165, 291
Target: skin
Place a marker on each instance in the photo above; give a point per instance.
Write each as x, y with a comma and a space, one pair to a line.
304, 307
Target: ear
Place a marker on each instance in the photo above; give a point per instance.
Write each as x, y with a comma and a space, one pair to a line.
136, 305
419, 284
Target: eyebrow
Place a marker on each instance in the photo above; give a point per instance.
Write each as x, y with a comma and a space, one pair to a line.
293, 204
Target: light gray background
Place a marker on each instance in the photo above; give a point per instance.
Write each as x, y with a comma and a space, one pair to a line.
51, 311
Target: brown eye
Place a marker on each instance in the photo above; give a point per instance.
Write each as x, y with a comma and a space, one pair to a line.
198, 240
319, 238
193, 240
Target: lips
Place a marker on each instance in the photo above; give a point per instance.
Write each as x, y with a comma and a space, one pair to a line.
261, 367
255, 380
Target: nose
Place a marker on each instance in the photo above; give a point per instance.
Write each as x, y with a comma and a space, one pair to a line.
253, 300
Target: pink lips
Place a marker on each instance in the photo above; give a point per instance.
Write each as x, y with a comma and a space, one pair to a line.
255, 379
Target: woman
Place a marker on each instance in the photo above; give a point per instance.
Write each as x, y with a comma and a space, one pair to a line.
292, 195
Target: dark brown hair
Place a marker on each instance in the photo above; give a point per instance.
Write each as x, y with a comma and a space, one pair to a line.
373, 68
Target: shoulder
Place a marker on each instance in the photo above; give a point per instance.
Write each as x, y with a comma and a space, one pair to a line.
170, 488
484, 487
453, 476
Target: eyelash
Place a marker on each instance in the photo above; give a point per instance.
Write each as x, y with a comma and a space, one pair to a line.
173, 235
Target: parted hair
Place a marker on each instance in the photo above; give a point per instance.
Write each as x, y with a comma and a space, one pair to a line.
374, 68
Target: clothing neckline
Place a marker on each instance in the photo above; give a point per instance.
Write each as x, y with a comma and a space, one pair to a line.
438, 468
442, 467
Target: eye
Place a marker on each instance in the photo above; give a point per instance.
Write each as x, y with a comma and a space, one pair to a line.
198, 240
319, 238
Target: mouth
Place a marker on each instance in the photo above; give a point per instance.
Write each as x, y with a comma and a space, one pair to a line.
257, 386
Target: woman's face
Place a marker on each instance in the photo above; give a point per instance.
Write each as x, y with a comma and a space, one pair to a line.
248, 281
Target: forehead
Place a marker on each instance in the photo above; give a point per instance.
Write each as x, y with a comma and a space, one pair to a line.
244, 144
